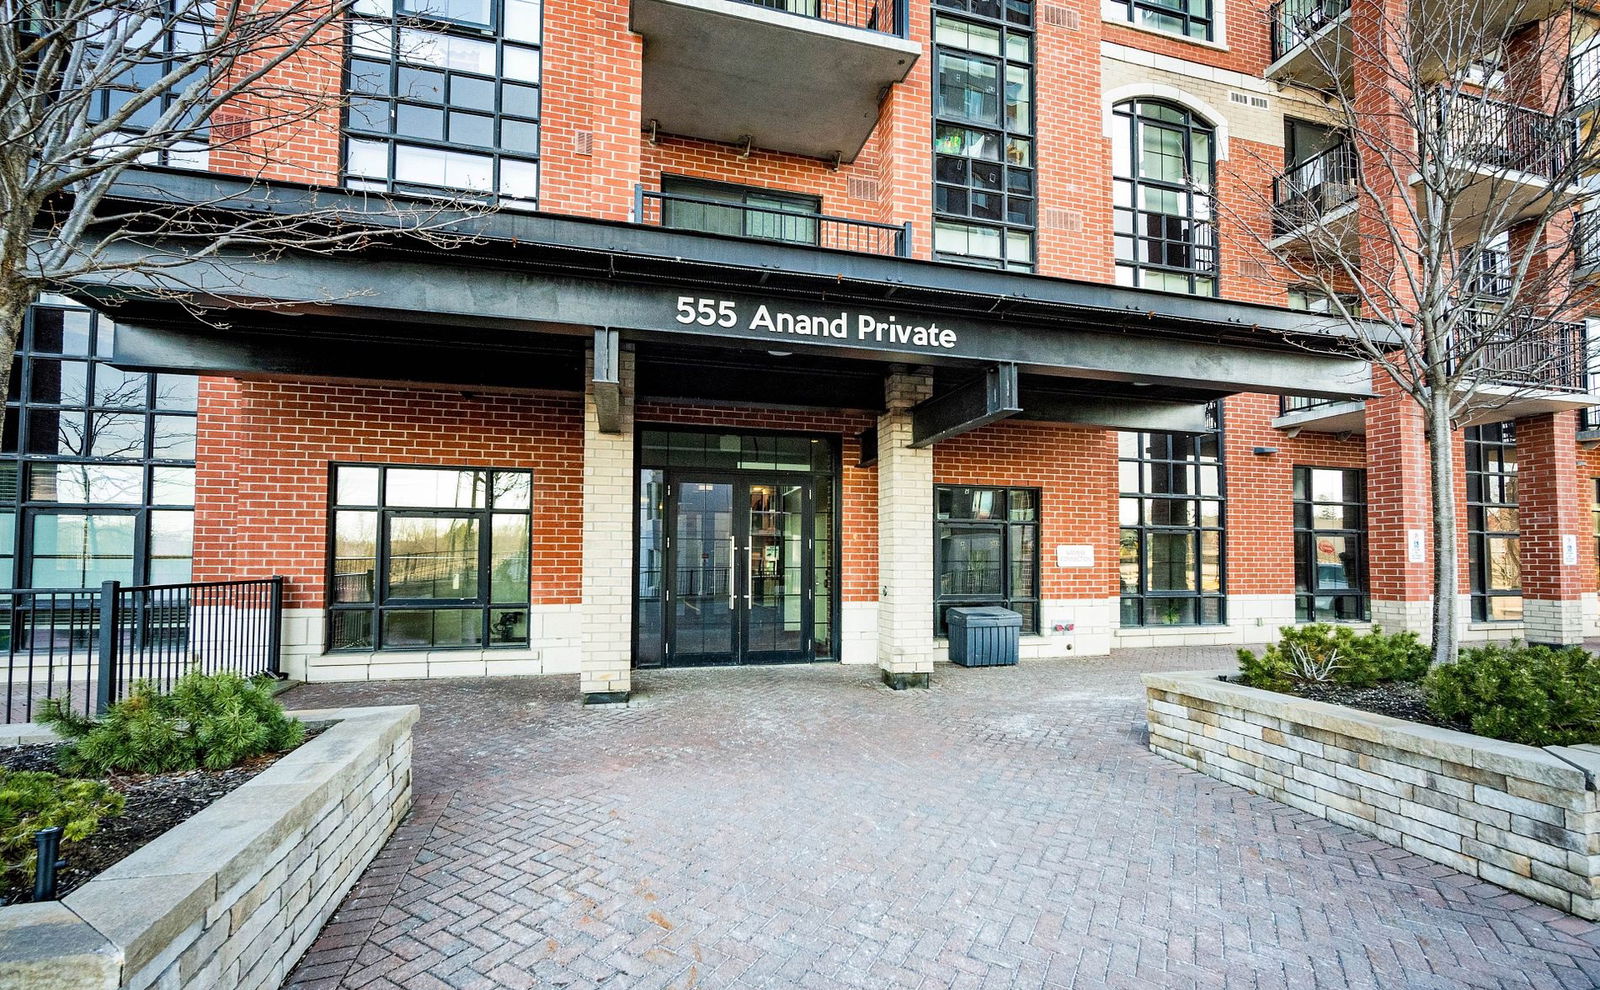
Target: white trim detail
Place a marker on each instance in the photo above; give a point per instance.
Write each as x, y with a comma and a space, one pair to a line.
1161, 91
1184, 67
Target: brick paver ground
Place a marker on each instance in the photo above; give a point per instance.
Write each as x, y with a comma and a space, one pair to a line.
802, 826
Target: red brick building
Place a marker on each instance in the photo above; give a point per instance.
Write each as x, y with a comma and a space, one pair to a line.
803, 321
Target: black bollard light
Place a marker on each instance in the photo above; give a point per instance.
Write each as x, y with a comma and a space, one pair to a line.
48, 841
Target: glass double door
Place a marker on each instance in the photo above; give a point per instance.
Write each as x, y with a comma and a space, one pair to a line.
739, 556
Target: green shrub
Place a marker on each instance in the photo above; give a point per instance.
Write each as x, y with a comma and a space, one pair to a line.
208, 720
1334, 654
1538, 695
30, 801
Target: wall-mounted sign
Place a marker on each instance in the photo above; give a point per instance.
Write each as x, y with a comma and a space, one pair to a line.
1074, 555
1416, 546
1569, 550
858, 328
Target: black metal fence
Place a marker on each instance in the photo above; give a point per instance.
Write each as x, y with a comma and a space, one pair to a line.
1520, 350
88, 647
1503, 136
765, 223
885, 16
1300, 403
1309, 190
1294, 22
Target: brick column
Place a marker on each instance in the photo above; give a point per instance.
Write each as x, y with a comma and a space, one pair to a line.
606, 669
1553, 507
1398, 508
905, 537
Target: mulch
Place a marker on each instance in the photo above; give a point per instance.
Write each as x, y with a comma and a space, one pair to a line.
1399, 699
154, 804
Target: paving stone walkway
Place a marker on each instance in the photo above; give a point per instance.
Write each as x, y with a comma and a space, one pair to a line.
804, 827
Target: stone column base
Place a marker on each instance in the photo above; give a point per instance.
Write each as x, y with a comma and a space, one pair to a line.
903, 682
1396, 617
1553, 623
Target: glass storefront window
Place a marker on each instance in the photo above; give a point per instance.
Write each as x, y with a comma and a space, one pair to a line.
986, 551
1494, 543
1330, 544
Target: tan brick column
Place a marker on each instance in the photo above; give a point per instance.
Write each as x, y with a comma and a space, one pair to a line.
1556, 543
605, 673
905, 537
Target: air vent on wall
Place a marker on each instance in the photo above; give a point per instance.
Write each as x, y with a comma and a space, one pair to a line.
1070, 221
1058, 16
861, 189
585, 142
1245, 99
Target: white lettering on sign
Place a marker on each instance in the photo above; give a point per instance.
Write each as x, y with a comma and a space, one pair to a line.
1074, 555
863, 328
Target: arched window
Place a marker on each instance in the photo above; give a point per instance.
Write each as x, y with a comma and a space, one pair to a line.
1162, 163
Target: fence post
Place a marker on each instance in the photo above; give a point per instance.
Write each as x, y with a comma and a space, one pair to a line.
904, 247
902, 18
275, 629
638, 202
105, 691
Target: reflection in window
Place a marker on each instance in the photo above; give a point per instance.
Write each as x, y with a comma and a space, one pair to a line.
739, 211
429, 558
986, 551
445, 97
1494, 545
1162, 160
1190, 18
984, 182
1171, 509
1330, 544
98, 462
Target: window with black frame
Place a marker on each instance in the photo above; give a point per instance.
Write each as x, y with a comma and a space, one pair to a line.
159, 37
97, 470
444, 96
1163, 159
1330, 544
428, 558
739, 211
1494, 545
1172, 528
986, 551
984, 171
1189, 18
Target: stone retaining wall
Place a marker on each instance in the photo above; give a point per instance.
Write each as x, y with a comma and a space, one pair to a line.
235, 895
1522, 817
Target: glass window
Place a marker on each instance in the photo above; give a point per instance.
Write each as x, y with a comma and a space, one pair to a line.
157, 37
428, 558
1171, 512
984, 184
1162, 211
1330, 544
986, 551
1190, 18
436, 104
101, 447
739, 211
1494, 545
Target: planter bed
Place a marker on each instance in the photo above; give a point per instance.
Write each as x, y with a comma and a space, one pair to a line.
1523, 817
234, 895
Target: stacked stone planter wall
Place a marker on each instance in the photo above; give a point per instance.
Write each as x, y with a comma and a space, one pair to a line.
235, 895
1522, 817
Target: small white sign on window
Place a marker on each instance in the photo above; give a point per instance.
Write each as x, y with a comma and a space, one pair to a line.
1074, 555
1416, 546
1569, 550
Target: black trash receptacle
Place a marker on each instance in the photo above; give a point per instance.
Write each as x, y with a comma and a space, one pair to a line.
984, 637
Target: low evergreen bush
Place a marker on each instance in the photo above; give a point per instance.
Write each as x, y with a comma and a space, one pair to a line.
1538, 695
31, 800
213, 721
1324, 654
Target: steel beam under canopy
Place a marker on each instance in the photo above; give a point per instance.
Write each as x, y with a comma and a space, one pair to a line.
991, 396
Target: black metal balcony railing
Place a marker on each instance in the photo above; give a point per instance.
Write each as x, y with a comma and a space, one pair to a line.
1311, 189
1504, 136
1531, 352
766, 223
884, 16
87, 646
1294, 22
1300, 403
1491, 277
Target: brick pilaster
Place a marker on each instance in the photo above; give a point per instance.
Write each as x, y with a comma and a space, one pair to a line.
606, 669
905, 537
1398, 509
1552, 497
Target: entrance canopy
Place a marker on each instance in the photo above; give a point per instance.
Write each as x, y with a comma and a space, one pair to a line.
515, 309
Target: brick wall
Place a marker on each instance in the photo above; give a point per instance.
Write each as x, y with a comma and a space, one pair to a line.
263, 450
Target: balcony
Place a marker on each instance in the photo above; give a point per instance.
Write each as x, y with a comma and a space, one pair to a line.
797, 76
1304, 413
1309, 42
761, 223
1314, 203
1539, 367
1509, 156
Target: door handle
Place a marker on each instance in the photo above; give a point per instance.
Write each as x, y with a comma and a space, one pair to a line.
749, 576
733, 556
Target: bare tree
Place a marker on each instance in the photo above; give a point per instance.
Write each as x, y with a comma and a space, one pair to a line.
93, 91
1442, 222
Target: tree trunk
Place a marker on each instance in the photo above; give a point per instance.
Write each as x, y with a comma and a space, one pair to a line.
1442, 489
13, 308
